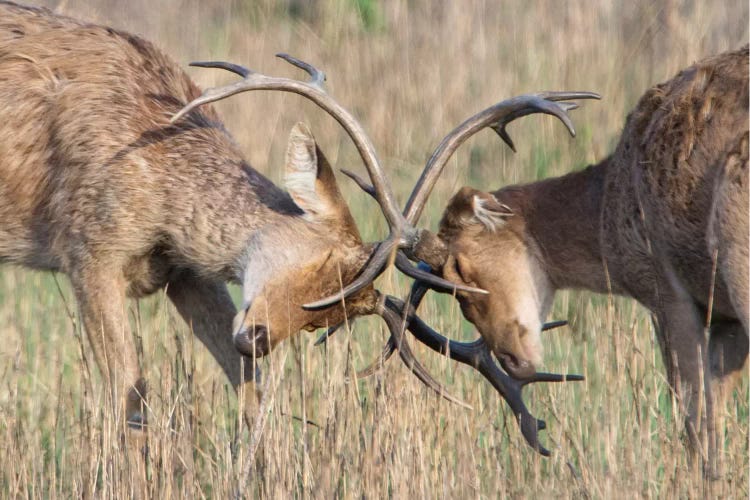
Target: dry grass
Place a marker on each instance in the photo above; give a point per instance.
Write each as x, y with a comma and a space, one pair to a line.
410, 71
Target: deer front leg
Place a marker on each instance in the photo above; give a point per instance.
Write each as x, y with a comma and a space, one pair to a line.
100, 291
685, 351
207, 308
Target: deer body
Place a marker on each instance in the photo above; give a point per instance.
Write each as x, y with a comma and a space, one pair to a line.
70, 184
664, 220
96, 183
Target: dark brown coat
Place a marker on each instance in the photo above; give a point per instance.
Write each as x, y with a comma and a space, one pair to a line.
652, 221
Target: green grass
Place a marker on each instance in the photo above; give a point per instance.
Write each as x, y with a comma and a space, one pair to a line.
410, 71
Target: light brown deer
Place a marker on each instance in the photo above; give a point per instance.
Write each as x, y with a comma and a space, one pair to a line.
664, 220
104, 176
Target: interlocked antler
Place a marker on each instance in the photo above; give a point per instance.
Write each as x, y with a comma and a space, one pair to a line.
421, 245
475, 354
478, 355
402, 234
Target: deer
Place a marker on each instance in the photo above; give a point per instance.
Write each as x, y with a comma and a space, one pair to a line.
663, 219
116, 172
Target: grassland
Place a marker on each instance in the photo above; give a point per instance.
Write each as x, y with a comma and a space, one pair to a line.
410, 70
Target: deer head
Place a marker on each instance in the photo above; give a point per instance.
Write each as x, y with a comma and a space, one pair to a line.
310, 257
487, 248
317, 250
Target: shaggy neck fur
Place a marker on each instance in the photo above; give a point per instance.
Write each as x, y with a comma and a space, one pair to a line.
562, 218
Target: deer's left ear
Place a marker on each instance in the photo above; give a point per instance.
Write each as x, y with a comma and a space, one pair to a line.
302, 171
310, 180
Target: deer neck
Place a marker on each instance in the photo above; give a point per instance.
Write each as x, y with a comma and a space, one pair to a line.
562, 221
214, 225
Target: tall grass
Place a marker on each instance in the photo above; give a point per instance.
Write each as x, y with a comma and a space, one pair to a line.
410, 71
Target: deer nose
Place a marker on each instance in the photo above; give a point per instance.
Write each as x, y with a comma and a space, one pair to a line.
253, 341
517, 368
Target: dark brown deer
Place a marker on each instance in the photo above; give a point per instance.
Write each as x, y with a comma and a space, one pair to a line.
104, 177
664, 220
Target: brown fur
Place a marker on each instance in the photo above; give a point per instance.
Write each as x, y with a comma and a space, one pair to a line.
95, 183
646, 222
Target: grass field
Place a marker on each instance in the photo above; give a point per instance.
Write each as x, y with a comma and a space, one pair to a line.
410, 70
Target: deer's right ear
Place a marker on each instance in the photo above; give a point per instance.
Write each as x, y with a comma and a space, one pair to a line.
470, 206
489, 211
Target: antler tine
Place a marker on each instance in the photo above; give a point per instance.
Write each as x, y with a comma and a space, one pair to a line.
396, 326
477, 355
313, 91
376, 265
234, 68
325, 335
539, 106
388, 349
437, 283
496, 117
553, 324
317, 76
360, 181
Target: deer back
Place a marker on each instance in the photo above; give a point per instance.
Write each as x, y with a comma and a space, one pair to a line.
89, 160
681, 151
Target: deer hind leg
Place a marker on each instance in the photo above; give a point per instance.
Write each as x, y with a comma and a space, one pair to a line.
207, 308
728, 351
100, 291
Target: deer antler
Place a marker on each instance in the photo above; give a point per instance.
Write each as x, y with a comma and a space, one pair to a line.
475, 354
422, 245
390, 347
496, 117
402, 234
478, 355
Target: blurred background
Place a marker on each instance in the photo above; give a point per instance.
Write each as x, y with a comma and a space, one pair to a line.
410, 70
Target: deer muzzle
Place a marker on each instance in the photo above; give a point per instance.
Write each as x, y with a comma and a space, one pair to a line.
253, 341
516, 367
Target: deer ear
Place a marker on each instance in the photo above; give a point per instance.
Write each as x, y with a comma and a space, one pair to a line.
470, 207
310, 180
308, 175
302, 169
491, 213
